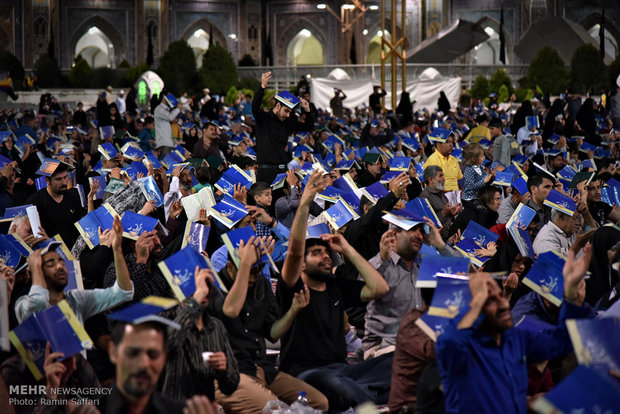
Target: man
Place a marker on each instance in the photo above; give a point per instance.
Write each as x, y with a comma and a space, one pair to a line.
250, 314
120, 102
374, 100
510, 203
601, 211
164, 114
239, 149
560, 234
336, 102
371, 170
399, 249
504, 146
481, 131
540, 186
139, 352
373, 136
49, 279
435, 181
58, 207
482, 351
273, 129
145, 132
209, 143
556, 161
20, 226
314, 347
27, 126
449, 165
79, 116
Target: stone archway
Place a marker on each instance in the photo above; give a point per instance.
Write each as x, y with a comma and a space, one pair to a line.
203, 27
304, 49
286, 36
107, 29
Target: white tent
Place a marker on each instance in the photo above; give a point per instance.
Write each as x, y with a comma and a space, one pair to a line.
425, 90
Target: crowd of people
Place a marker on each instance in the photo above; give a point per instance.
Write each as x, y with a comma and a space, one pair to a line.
332, 318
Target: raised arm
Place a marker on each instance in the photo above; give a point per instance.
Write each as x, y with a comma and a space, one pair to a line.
122, 272
258, 96
291, 271
248, 255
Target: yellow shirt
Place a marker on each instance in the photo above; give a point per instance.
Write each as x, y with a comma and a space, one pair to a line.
478, 133
450, 166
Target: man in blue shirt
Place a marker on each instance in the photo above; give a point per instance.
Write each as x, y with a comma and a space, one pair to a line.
483, 361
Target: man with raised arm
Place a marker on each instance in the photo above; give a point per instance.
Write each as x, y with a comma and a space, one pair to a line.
314, 348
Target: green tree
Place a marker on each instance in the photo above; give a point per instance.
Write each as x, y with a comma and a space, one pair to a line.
547, 71
48, 72
587, 70
502, 94
218, 71
498, 78
135, 72
249, 83
10, 63
480, 89
177, 68
80, 73
247, 60
231, 96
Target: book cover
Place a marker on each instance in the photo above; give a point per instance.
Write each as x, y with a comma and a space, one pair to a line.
114, 186
523, 241
136, 168
431, 265
195, 236
520, 185
560, 202
9, 253
375, 191
330, 194
567, 173
545, 277
583, 391
339, 214
11, 212
135, 224
228, 211
585, 147
179, 269
473, 238
171, 159
132, 151
279, 181
389, 175
522, 216
74, 276
57, 325
108, 150
89, 225
352, 201
400, 164
151, 159
232, 240
100, 179
503, 178
345, 183
316, 231
586, 176
346, 165
451, 295
146, 311
404, 218
331, 141
595, 342
106, 132
586, 164
422, 207
151, 191
532, 122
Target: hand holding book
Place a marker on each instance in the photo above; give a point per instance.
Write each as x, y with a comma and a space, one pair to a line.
387, 244
54, 369
202, 289
248, 252
316, 183
574, 272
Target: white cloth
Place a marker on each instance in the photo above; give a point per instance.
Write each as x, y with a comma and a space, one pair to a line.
163, 130
120, 105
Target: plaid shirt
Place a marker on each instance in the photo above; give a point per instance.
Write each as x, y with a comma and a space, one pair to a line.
262, 230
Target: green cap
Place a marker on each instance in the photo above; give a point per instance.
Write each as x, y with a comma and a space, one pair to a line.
371, 158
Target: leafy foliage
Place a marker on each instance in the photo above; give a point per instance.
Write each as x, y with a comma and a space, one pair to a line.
480, 89
9, 62
498, 78
177, 68
218, 71
247, 60
80, 73
249, 83
48, 72
547, 71
587, 70
136, 71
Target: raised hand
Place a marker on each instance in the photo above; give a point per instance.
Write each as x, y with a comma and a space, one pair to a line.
387, 244
105, 237
510, 284
148, 208
116, 236
240, 193
248, 251
574, 272
264, 79
316, 183
398, 185
202, 288
301, 299
336, 242
54, 370
176, 208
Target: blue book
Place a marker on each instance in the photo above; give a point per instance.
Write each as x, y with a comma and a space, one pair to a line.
316, 231
135, 168
102, 185
17, 244
107, 150
451, 296
306, 168
522, 216
400, 164
57, 325
439, 135
331, 141
233, 238
135, 224
360, 152
352, 200
347, 165
132, 151
520, 159
106, 132
11, 212
419, 169
74, 276
520, 185
146, 311
174, 165
339, 214
330, 159
523, 240
151, 191
330, 194
232, 177
611, 195
228, 211
560, 202
503, 178
585, 390
485, 143
196, 236
389, 175
545, 277
279, 181
10, 253
532, 122
475, 237
423, 208
179, 270
602, 153
375, 192
151, 159
586, 164
431, 265
585, 147
171, 159
403, 218
171, 101
532, 324
300, 149
89, 225
567, 173
411, 144
595, 342
345, 183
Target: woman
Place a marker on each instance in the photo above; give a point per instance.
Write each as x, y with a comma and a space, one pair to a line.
483, 211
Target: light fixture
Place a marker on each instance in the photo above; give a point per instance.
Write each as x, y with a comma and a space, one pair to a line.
373, 7
380, 33
305, 33
232, 36
348, 6
92, 30
321, 6
365, 32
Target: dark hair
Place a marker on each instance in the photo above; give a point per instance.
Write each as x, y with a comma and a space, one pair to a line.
364, 201
535, 180
149, 120
486, 194
118, 330
246, 162
203, 175
258, 188
603, 163
62, 167
314, 242
471, 152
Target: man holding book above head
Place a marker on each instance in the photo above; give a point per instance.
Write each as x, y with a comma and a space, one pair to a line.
58, 206
273, 129
314, 348
50, 276
444, 144
540, 185
371, 169
481, 350
167, 110
601, 211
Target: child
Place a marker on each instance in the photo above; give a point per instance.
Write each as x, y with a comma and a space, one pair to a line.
261, 195
474, 177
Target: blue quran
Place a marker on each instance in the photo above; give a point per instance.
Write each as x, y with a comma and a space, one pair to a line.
151, 191
595, 342
431, 265
475, 237
88, 226
135, 224
228, 211
545, 277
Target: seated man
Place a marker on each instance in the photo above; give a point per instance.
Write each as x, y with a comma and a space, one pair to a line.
561, 234
250, 314
20, 226
314, 348
435, 181
482, 358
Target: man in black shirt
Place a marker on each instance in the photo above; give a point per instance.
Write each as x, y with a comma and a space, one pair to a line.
58, 207
372, 136
374, 100
600, 211
314, 347
273, 129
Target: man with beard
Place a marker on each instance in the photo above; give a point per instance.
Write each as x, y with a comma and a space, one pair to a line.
434, 192
49, 279
209, 144
58, 207
314, 348
180, 186
139, 352
480, 350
